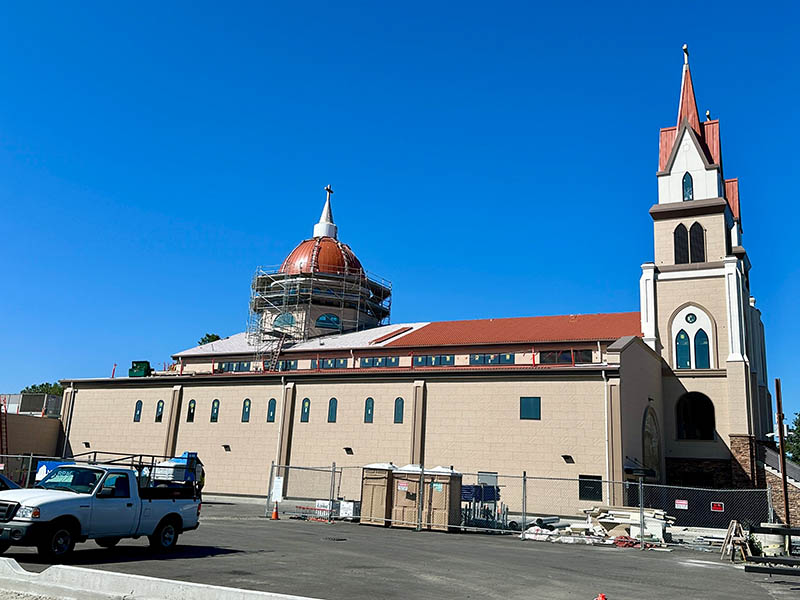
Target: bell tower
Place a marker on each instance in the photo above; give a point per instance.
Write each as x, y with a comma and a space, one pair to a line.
696, 308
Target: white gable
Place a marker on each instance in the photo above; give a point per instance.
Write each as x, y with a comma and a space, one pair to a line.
706, 182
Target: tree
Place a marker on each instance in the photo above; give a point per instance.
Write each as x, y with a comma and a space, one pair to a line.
793, 440
44, 388
208, 338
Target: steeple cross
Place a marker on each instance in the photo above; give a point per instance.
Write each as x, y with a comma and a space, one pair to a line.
329, 189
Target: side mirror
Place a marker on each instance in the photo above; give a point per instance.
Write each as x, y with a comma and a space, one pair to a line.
106, 492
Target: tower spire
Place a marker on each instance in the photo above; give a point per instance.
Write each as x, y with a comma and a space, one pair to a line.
326, 227
687, 108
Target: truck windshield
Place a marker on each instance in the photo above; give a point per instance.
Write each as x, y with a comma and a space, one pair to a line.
75, 479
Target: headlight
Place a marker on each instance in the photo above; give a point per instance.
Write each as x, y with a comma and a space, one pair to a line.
27, 512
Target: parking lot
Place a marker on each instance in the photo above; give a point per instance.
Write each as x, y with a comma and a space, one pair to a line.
235, 546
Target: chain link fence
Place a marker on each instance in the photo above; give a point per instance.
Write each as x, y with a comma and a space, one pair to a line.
586, 507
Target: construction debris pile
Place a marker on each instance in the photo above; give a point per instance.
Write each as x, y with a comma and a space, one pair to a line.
601, 525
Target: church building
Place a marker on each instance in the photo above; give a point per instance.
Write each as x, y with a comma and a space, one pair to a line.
321, 375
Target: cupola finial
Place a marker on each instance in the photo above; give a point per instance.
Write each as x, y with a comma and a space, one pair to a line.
326, 227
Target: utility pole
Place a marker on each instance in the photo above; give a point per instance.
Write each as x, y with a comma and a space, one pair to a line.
782, 451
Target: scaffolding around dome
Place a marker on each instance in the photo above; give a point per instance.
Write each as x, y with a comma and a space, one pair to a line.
287, 306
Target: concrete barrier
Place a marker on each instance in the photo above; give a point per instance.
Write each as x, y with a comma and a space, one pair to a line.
77, 583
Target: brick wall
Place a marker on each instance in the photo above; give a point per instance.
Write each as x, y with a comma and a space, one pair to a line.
699, 472
774, 482
743, 463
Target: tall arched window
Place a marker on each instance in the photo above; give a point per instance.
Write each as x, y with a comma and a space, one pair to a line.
332, 405
683, 359
190, 411
271, 410
697, 243
702, 357
160, 411
681, 239
398, 410
688, 187
369, 410
305, 410
215, 411
137, 412
246, 410
695, 417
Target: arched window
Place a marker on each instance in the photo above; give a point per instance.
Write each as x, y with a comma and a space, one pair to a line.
190, 411
246, 410
681, 238
688, 187
651, 441
283, 321
702, 359
683, 359
328, 321
271, 410
306, 408
398, 410
695, 417
369, 410
137, 412
159, 411
215, 411
332, 405
697, 242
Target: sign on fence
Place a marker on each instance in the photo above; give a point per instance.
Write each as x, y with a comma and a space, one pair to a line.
277, 490
717, 507
682, 504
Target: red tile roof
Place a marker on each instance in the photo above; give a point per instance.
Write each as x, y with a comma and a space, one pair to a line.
521, 330
687, 106
732, 194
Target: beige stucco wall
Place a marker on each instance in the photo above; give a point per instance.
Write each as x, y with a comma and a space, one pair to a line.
245, 469
28, 434
319, 443
475, 426
716, 388
104, 418
640, 388
706, 292
715, 232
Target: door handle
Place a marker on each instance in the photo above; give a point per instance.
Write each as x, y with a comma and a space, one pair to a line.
129, 504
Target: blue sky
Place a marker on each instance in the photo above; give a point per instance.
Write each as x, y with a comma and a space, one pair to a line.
491, 160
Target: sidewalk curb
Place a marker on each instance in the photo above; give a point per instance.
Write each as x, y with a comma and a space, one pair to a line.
79, 583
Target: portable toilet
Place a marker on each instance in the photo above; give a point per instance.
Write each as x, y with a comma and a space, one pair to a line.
376, 494
441, 508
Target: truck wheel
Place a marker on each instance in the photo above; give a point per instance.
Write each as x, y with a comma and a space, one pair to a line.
165, 537
56, 542
4, 546
108, 542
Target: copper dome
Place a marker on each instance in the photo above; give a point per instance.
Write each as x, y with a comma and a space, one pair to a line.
322, 255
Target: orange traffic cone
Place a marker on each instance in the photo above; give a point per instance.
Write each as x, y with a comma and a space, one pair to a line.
275, 513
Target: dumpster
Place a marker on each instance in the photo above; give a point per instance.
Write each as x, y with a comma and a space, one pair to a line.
441, 500
376, 494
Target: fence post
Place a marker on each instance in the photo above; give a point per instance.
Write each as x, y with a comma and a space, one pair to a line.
30, 465
524, 499
770, 516
333, 491
420, 496
641, 512
269, 488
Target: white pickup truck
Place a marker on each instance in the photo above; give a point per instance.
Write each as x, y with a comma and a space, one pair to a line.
74, 503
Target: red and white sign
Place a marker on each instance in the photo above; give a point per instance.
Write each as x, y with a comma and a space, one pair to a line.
717, 507
682, 504
402, 486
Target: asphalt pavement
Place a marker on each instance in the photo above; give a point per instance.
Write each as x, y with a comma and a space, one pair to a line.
236, 546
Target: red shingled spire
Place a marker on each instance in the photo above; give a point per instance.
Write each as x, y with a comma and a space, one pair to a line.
687, 109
